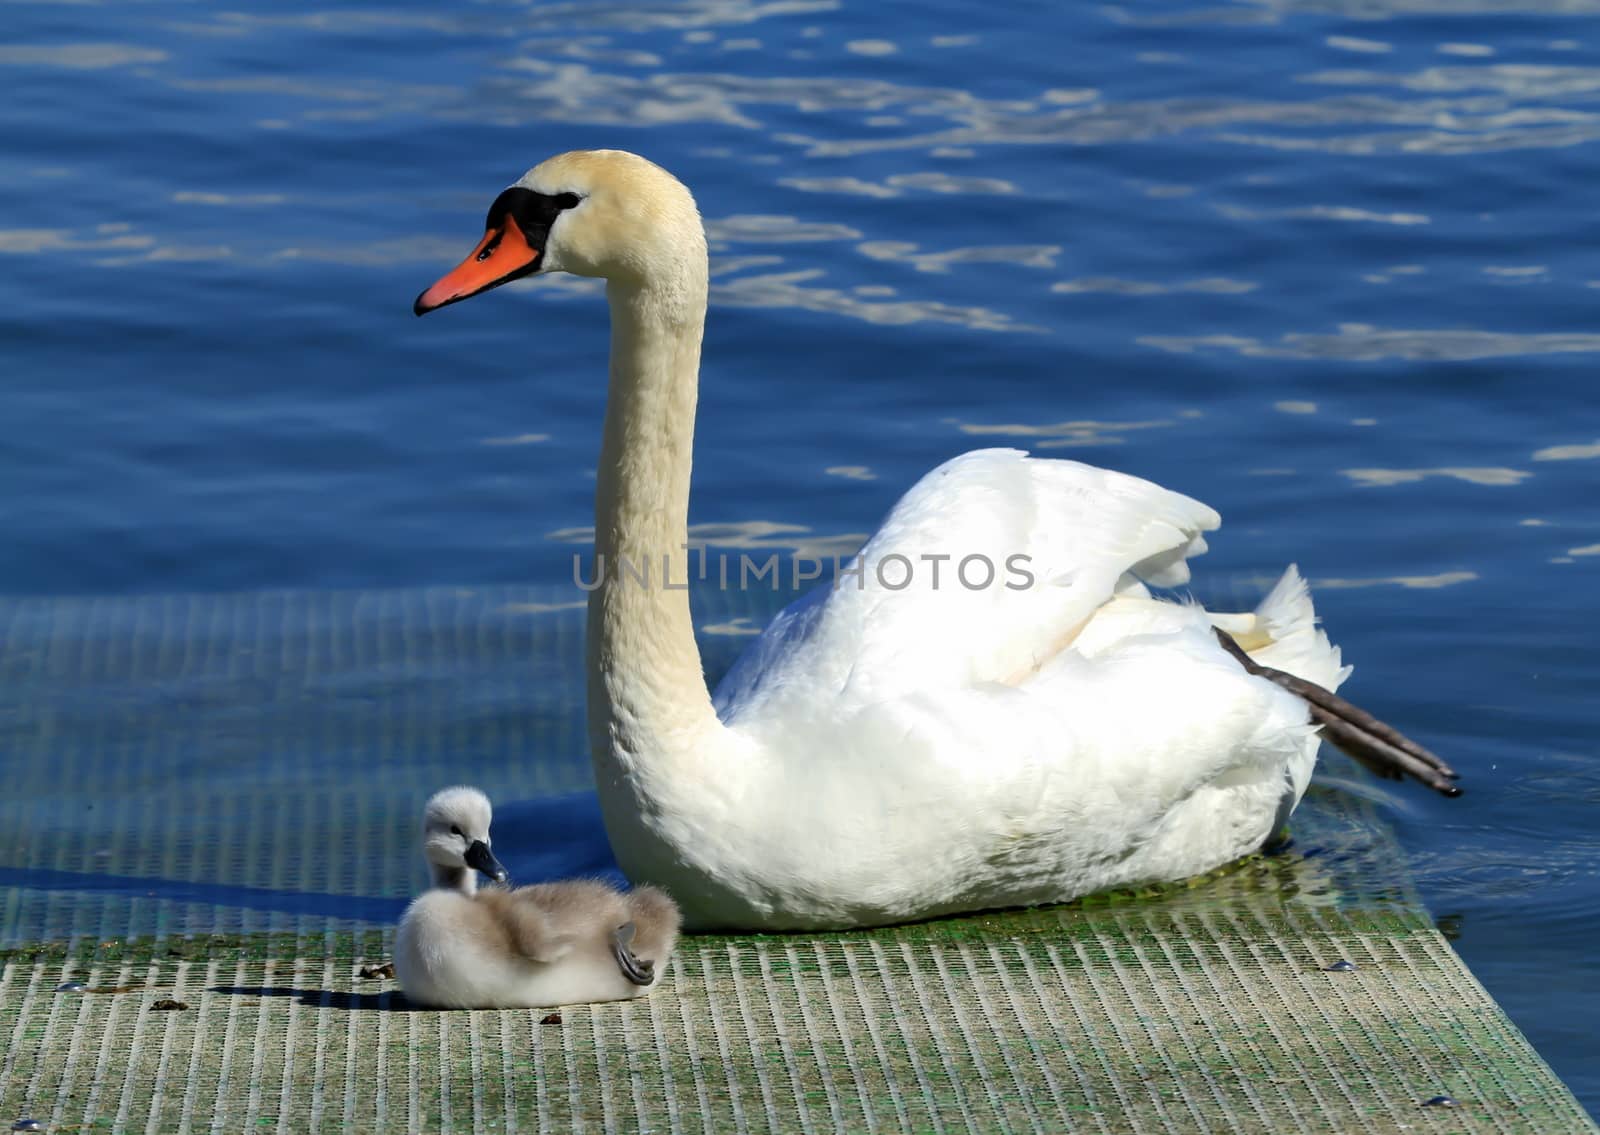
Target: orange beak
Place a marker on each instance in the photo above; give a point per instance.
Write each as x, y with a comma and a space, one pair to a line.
502, 255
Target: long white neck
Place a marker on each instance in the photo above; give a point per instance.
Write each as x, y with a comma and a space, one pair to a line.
649, 711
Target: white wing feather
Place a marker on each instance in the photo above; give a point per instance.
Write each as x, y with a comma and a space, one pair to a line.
981, 573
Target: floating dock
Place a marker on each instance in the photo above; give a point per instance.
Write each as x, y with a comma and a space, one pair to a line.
208, 830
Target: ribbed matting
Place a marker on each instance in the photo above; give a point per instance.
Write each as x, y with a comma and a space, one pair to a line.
1112, 1019
213, 800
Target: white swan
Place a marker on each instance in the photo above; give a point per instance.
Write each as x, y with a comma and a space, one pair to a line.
882, 752
560, 943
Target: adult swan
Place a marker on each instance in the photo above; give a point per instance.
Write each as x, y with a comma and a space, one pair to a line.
889, 751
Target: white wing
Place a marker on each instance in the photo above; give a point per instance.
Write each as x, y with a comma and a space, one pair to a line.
980, 574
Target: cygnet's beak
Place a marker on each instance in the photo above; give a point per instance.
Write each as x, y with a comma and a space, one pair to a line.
503, 254
480, 858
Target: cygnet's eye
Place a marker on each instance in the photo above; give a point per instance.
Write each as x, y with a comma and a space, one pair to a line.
456, 831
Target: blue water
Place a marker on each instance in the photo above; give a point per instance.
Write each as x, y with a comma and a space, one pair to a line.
1323, 264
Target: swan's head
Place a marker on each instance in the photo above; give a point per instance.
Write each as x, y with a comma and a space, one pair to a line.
605, 213
455, 832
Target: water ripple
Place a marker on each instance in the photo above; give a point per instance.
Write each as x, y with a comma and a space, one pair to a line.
931, 181
1358, 342
1486, 475
78, 56
1568, 452
906, 252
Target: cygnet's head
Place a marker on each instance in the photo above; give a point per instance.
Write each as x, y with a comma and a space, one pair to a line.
455, 832
604, 213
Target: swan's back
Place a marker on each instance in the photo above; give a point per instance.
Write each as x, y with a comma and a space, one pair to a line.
980, 574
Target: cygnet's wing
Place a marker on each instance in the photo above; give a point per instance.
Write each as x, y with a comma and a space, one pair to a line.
574, 911
528, 926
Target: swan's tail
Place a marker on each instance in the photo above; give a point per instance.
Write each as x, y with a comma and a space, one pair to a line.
1280, 642
1297, 644
1282, 633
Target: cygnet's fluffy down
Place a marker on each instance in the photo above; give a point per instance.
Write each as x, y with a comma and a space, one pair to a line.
548, 944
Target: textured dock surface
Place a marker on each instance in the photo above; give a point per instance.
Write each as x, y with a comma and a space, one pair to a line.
1172, 1015
211, 801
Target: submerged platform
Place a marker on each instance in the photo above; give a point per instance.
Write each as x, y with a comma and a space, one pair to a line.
210, 802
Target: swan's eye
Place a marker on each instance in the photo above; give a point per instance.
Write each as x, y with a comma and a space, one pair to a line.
454, 830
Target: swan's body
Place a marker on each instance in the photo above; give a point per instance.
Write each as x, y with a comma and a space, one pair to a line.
549, 944
883, 752
958, 750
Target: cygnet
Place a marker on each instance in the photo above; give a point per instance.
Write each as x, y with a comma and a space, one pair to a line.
560, 943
